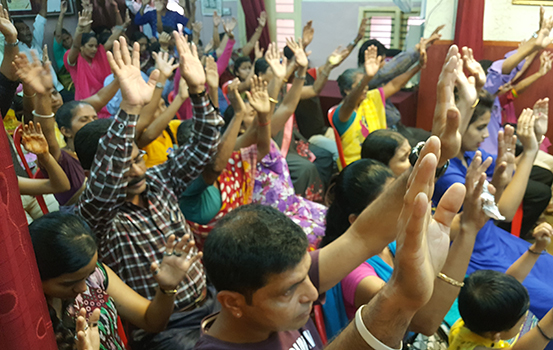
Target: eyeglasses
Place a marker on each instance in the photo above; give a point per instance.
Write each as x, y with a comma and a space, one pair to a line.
139, 158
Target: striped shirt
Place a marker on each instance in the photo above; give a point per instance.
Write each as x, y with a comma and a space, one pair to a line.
130, 237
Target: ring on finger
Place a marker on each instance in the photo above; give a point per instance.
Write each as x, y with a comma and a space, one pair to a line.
177, 254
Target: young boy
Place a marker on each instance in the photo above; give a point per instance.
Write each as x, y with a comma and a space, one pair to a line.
494, 305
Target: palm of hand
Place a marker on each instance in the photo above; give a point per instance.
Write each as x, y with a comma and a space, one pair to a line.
262, 19
192, 70
540, 126
543, 38
371, 66
260, 101
159, 6
6, 26
35, 143
37, 78
173, 270
475, 70
133, 87
301, 58
212, 76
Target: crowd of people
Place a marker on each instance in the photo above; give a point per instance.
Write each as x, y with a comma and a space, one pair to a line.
198, 199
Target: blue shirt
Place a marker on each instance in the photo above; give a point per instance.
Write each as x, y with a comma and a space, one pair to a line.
171, 19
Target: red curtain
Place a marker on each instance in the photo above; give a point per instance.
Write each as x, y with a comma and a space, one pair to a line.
24, 319
469, 26
252, 10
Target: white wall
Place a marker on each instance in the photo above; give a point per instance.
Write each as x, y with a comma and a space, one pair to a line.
503, 21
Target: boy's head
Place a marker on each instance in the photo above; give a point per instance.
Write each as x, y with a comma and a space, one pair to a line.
257, 259
493, 304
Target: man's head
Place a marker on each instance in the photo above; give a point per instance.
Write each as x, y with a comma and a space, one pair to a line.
493, 304
24, 33
66, 39
72, 116
86, 145
380, 50
257, 259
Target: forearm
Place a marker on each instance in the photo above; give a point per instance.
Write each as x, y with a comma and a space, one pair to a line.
428, 319
350, 101
395, 67
48, 125
28, 103
526, 82
76, 47
118, 18
158, 312
263, 135
159, 23
216, 38
322, 78
247, 49
223, 60
56, 176
59, 27
526, 65
523, 51
511, 198
147, 113
522, 267
102, 97
534, 339
116, 33
43, 8
399, 82
10, 51
384, 317
221, 48
155, 129
289, 104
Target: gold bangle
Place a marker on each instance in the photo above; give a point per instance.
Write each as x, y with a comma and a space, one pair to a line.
284, 80
450, 280
475, 103
168, 291
272, 100
31, 96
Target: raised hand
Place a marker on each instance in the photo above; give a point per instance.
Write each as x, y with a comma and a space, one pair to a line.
542, 234
276, 60
258, 51
45, 57
372, 61
88, 335
543, 39
525, 130
87, 6
307, 34
146, 2
183, 89
33, 139
197, 27
216, 19
423, 241
229, 25
211, 74
63, 7
362, 28
545, 62
435, 36
473, 213
128, 20
262, 20
423, 57
542, 16
337, 57
258, 96
177, 260
134, 90
474, 68
191, 68
234, 97
505, 162
164, 39
6, 26
160, 6
445, 123
466, 85
299, 53
165, 64
541, 113
36, 75
85, 18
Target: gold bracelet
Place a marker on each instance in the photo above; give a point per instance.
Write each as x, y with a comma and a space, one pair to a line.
27, 96
475, 103
285, 80
272, 100
168, 291
450, 280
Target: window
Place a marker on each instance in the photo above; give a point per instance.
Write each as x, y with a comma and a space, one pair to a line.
284, 20
390, 25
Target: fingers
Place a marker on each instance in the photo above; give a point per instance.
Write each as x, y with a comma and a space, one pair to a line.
422, 177
126, 56
415, 227
169, 245
154, 76
136, 55
449, 204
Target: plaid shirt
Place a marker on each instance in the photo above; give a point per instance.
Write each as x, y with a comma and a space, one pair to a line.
395, 67
130, 237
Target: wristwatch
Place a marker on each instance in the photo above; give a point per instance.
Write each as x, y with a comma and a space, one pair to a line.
414, 156
12, 44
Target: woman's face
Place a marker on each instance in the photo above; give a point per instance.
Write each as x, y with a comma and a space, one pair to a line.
476, 133
67, 41
249, 117
57, 101
244, 70
69, 285
400, 161
83, 115
89, 49
267, 76
143, 42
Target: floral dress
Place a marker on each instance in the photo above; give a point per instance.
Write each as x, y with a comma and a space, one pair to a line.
95, 297
273, 187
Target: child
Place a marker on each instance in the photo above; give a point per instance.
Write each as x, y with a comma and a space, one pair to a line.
493, 305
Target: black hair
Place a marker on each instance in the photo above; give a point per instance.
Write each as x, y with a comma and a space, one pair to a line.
346, 79
288, 53
65, 31
139, 35
492, 301
87, 139
380, 50
486, 64
101, 29
66, 112
85, 38
168, 29
17, 20
63, 243
485, 104
184, 132
103, 38
239, 61
382, 145
357, 186
261, 66
248, 245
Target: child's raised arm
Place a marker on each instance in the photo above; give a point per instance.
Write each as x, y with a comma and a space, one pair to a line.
521, 268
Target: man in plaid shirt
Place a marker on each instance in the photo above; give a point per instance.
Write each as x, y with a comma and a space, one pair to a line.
133, 210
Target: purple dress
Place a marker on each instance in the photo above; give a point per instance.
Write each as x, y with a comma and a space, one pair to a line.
273, 187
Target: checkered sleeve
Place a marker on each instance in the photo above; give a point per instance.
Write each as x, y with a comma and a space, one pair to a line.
105, 190
395, 67
188, 162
